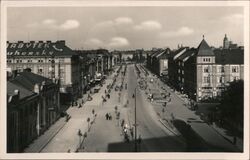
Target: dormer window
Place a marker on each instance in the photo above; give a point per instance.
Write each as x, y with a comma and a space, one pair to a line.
206, 59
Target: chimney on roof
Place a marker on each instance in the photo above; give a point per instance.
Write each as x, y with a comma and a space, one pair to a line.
16, 95
32, 41
8, 42
40, 41
36, 88
48, 41
19, 41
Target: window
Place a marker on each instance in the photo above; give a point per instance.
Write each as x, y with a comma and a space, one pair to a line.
206, 80
18, 61
206, 69
29, 60
236, 78
222, 69
9, 61
221, 80
40, 70
179, 71
234, 69
41, 61
182, 71
206, 59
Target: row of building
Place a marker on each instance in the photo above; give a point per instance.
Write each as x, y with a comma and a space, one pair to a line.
76, 69
203, 72
42, 76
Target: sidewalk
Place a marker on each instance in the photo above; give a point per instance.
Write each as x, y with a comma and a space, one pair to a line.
44, 139
180, 111
61, 136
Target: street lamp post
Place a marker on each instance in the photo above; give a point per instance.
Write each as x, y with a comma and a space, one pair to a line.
80, 135
135, 125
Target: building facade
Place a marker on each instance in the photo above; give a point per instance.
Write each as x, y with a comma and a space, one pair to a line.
202, 73
53, 60
33, 105
21, 117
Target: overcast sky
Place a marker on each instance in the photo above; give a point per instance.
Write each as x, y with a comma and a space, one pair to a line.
126, 27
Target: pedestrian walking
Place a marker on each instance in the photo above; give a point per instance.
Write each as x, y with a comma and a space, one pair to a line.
107, 116
132, 132
122, 123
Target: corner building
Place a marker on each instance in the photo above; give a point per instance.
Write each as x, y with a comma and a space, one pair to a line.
53, 60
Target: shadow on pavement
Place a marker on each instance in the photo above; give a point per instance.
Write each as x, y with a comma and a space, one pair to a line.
195, 143
162, 144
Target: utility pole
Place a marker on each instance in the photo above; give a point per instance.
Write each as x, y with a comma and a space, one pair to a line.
135, 125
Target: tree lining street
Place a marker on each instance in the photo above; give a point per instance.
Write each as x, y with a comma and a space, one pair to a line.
156, 130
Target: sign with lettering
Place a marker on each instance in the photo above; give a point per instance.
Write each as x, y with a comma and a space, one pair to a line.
32, 49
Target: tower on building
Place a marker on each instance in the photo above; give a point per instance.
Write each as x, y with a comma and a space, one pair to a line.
225, 42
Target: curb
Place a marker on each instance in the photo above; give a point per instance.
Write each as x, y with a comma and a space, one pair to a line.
178, 136
55, 133
224, 137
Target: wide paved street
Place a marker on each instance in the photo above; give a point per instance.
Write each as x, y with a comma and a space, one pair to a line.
156, 131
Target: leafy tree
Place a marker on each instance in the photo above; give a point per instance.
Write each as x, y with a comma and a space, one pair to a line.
232, 104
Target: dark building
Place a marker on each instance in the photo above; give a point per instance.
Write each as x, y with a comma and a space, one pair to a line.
34, 116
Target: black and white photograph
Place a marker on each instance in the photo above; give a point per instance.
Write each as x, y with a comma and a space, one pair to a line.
139, 77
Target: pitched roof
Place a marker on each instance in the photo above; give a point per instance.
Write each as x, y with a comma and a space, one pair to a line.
155, 53
29, 79
164, 54
11, 87
204, 49
178, 52
187, 53
39, 49
229, 56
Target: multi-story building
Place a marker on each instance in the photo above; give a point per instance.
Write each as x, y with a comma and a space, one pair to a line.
53, 60
157, 61
203, 72
36, 104
21, 117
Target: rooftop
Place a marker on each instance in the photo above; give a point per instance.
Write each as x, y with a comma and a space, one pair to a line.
204, 49
39, 49
229, 56
28, 80
11, 87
